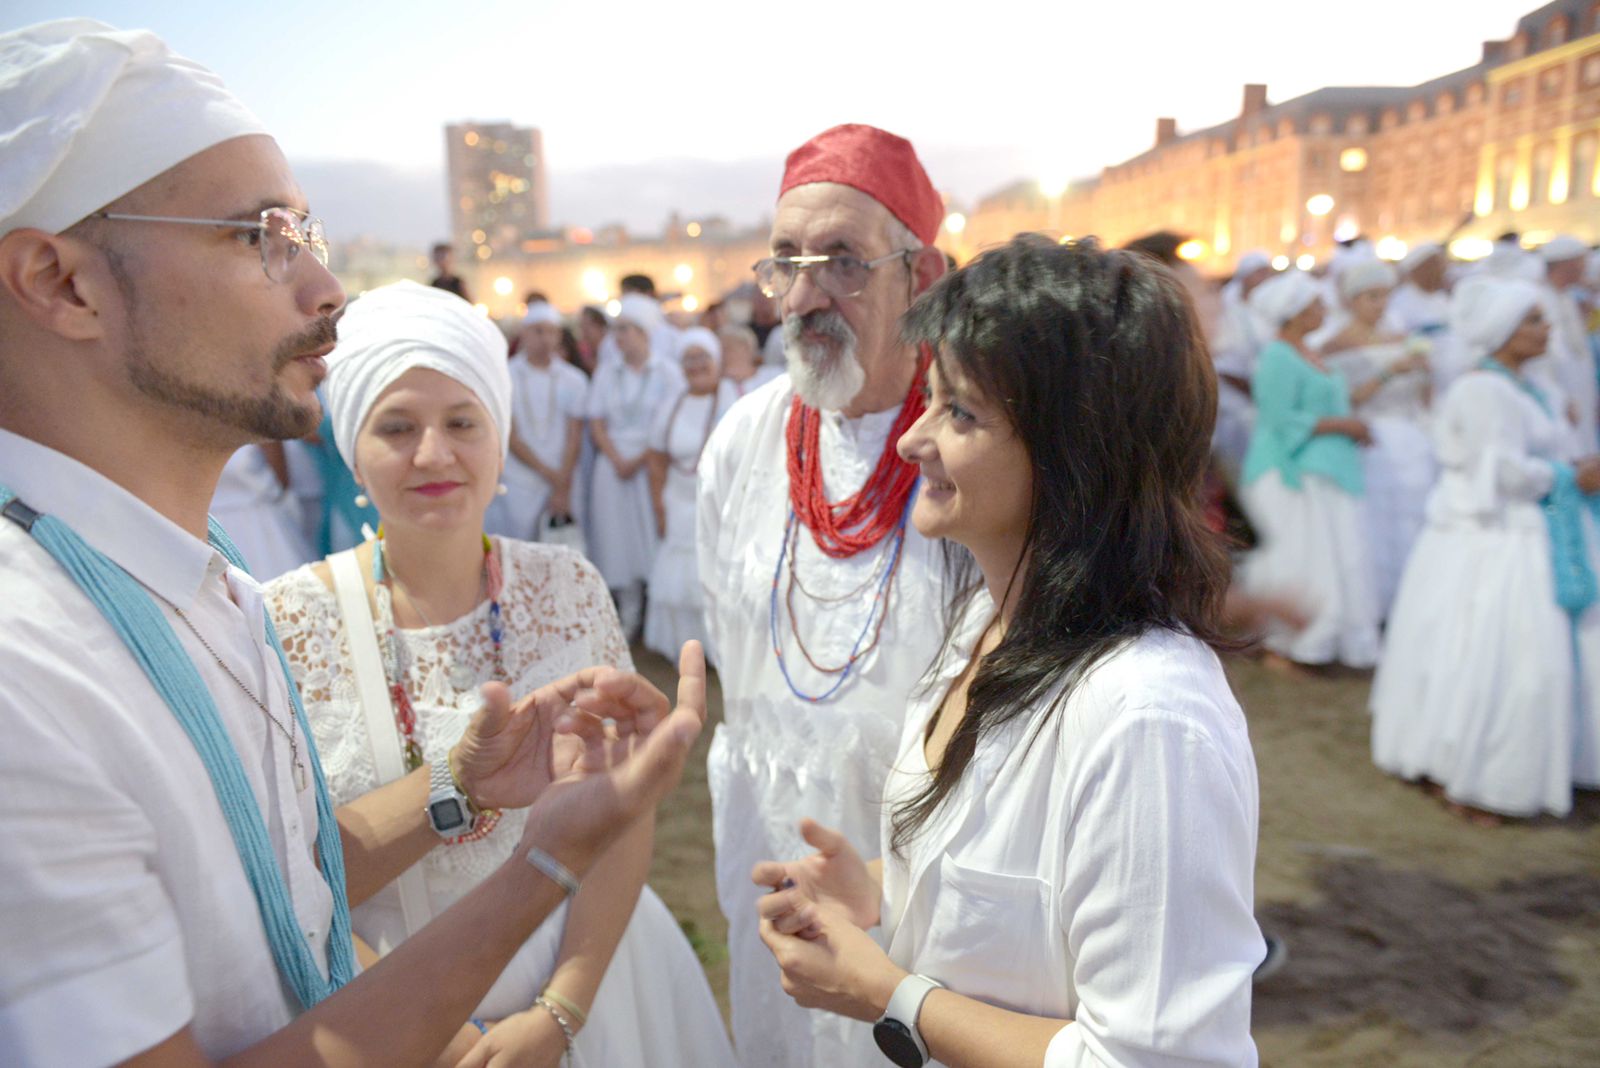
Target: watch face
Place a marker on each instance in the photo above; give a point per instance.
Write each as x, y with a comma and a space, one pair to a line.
447, 815
894, 1039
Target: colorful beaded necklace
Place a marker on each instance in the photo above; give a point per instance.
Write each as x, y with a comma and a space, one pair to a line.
405, 716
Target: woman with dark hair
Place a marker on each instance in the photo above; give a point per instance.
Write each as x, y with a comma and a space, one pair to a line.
1069, 829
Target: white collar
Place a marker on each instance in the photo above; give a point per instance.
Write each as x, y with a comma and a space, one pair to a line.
143, 542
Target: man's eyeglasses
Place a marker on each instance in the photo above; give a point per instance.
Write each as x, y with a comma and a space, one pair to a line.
837, 276
280, 234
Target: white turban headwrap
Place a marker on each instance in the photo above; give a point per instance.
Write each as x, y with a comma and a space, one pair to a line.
641, 311
541, 311
394, 328
1283, 296
1419, 254
89, 113
698, 337
1251, 262
1363, 275
1485, 311
1562, 247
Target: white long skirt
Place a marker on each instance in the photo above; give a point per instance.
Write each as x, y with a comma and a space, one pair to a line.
1313, 551
1400, 472
622, 526
1478, 689
676, 611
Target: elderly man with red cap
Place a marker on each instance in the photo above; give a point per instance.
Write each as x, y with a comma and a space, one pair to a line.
822, 603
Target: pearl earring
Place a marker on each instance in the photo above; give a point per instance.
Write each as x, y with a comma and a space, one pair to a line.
362, 500
501, 490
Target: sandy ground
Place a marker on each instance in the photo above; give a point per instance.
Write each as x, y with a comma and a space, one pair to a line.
1415, 938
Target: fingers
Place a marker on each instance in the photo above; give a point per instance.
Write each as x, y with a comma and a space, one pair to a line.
692, 679
655, 764
825, 840
769, 873
492, 718
789, 912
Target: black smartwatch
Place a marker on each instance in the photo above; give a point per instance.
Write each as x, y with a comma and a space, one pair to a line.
896, 1030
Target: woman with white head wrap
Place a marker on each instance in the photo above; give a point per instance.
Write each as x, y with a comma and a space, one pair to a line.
677, 439
1302, 485
390, 643
549, 403
624, 400
1494, 643
1389, 388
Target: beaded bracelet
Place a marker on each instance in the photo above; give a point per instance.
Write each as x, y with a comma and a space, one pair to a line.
561, 1021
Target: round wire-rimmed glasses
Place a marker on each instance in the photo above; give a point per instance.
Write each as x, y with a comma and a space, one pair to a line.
839, 276
281, 234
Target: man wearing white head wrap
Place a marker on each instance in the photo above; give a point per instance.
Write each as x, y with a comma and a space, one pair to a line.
1388, 380
1421, 303
677, 438
172, 858
624, 400
1241, 334
549, 405
1302, 484
1490, 652
1569, 362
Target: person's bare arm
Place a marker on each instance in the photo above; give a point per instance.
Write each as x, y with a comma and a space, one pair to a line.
384, 832
600, 915
656, 465
527, 456
410, 1006
602, 441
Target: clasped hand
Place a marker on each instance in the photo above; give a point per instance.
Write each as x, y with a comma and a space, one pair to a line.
814, 922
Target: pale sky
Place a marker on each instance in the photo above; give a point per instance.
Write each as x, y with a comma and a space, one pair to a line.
646, 107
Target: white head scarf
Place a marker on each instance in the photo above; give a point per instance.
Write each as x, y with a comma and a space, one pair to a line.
1283, 296
1251, 262
1363, 275
641, 311
1419, 254
1485, 311
1562, 247
541, 311
394, 328
698, 337
89, 113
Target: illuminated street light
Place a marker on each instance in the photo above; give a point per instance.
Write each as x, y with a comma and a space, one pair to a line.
693, 229
691, 303
1305, 261
1391, 248
1054, 187
1320, 205
1471, 248
955, 222
683, 273
1280, 263
1192, 249
594, 284
1352, 160
502, 286
613, 308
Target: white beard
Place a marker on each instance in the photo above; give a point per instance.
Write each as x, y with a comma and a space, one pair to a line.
824, 379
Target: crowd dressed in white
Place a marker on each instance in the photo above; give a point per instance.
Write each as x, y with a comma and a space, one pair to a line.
1416, 445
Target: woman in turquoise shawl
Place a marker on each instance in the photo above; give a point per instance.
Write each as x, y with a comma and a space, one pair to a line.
1303, 484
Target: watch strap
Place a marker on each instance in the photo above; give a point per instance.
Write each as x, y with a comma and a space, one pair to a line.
905, 1006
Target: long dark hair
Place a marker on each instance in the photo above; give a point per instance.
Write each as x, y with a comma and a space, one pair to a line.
1098, 361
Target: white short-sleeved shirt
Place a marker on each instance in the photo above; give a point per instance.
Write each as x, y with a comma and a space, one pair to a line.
1100, 871
542, 400
125, 912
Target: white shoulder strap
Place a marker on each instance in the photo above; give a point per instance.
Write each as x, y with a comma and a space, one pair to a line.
373, 691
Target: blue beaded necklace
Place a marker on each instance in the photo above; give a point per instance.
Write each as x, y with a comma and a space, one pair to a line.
877, 612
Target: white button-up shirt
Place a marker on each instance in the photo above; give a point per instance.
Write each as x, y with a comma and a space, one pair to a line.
125, 912
1096, 867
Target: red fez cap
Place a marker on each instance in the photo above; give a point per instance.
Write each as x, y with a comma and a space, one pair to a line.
878, 163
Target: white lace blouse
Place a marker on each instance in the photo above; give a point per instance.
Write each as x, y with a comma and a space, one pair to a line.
558, 618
